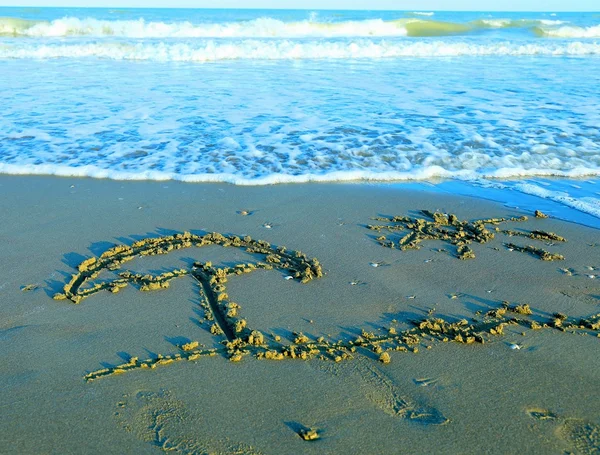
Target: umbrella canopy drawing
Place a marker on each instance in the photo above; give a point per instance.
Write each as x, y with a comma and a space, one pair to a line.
212, 282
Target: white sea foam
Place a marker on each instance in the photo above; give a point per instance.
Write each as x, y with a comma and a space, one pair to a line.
496, 23
588, 204
551, 22
209, 50
422, 13
424, 173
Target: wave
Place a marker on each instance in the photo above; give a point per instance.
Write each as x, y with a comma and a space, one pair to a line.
211, 51
422, 173
588, 205
569, 31
264, 27
267, 27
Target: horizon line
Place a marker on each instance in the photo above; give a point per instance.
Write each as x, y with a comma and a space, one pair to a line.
306, 9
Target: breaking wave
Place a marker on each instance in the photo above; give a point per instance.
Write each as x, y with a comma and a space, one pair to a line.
569, 31
423, 173
264, 27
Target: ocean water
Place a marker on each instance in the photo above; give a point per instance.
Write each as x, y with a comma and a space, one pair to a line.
509, 101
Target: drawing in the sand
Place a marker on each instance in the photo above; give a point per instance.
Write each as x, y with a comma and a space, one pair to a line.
411, 231
218, 307
239, 339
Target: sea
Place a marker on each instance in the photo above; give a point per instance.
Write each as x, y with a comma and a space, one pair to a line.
498, 105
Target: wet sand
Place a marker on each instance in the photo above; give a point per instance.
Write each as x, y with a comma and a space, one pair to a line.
524, 391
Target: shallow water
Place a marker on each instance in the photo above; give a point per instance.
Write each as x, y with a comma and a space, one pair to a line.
262, 97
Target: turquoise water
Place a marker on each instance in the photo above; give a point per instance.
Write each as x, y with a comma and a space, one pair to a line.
262, 97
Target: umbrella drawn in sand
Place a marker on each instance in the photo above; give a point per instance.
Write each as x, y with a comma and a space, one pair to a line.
240, 339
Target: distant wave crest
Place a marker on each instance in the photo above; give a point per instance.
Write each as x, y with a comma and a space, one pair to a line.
266, 27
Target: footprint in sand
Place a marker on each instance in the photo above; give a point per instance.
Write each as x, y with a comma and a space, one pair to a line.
586, 294
381, 390
583, 436
164, 422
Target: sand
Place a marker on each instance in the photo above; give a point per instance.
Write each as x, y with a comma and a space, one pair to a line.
531, 393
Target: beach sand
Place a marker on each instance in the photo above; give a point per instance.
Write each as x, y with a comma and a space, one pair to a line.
526, 391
